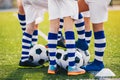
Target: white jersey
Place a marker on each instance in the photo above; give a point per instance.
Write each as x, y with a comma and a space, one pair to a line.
34, 10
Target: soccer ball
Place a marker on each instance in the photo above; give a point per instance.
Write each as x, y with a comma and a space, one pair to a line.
85, 56
78, 60
64, 61
59, 56
38, 54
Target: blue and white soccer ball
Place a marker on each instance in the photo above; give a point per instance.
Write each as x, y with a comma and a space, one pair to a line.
38, 54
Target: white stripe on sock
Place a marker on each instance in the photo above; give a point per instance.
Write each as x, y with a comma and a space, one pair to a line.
52, 41
59, 34
23, 60
87, 38
34, 37
71, 50
22, 21
99, 58
26, 44
99, 49
25, 50
61, 23
99, 41
23, 26
79, 21
71, 59
34, 42
81, 36
26, 38
70, 42
52, 50
52, 57
23, 55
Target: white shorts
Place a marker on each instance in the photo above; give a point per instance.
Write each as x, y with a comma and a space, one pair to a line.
98, 10
86, 14
34, 10
62, 8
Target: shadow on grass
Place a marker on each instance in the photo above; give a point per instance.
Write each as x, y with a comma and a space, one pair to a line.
26, 73
40, 73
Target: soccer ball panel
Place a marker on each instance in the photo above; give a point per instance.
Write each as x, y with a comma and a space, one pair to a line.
85, 56
78, 59
38, 54
59, 56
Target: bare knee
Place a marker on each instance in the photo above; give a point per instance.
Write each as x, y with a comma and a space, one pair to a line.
30, 28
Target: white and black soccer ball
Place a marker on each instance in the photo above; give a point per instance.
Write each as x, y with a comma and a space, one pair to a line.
85, 56
64, 61
78, 60
38, 54
59, 55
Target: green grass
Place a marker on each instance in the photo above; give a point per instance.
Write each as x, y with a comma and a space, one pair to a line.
10, 50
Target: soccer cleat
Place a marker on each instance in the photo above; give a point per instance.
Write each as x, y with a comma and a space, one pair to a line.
27, 63
94, 66
75, 71
52, 69
81, 44
61, 43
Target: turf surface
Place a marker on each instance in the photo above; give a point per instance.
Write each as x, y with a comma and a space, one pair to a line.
10, 50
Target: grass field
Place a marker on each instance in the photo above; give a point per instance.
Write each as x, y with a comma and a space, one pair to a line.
10, 50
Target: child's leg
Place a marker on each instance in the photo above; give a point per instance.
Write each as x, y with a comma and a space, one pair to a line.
35, 35
70, 45
26, 43
88, 31
81, 43
60, 30
100, 44
99, 7
21, 15
61, 41
52, 43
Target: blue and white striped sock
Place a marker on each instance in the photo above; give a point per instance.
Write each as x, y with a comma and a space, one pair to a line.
70, 45
52, 43
22, 21
88, 35
35, 37
26, 43
100, 44
80, 26
60, 29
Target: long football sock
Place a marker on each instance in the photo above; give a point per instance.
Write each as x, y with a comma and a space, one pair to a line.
70, 45
26, 43
81, 43
35, 37
100, 44
60, 29
88, 35
52, 43
22, 21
